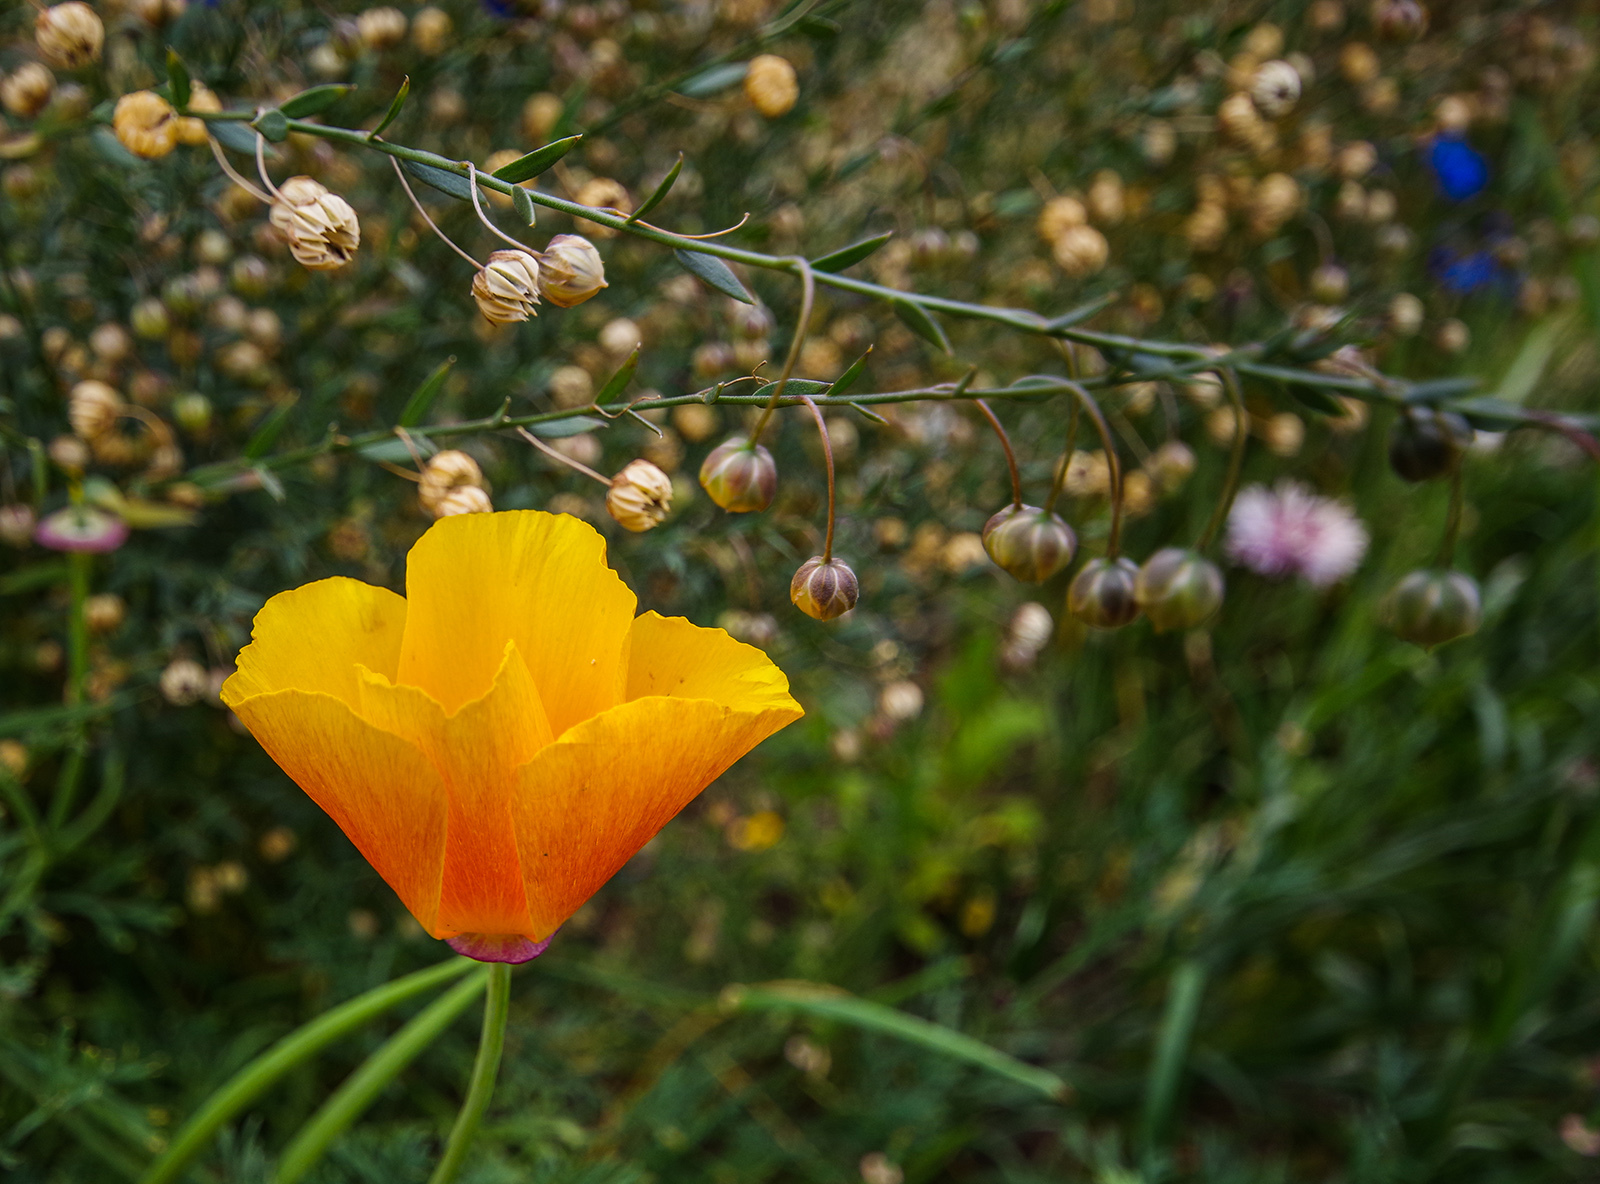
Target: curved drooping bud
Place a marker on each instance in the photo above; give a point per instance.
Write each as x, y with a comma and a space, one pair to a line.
1029, 543
740, 476
145, 124
507, 287
570, 270
770, 85
1178, 588
445, 473
1427, 444
824, 588
640, 496
1433, 606
92, 408
1102, 594
463, 499
321, 227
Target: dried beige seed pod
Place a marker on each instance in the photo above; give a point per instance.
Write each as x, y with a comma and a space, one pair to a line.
824, 588
1108, 200
1275, 200
602, 193
92, 409
193, 131
381, 28
770, 85
26, 91
1081, 251
184, 682
1238, 118
464, 499
570, 271
104, 612
445, 472
1206, 227
430, 30
69, 35
1059, 215
321, 228
1405, 315
1275, 89
640, 496
145, 123
507, 287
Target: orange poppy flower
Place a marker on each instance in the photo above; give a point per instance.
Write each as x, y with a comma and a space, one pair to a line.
501, 740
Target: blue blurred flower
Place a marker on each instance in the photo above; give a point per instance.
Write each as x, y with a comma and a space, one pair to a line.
1461, 272
500, 8
1460, 169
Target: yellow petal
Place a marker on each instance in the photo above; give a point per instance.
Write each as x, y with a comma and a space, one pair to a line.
381, 790
476, 752
476, 580
672, 656
313, 638
589, 801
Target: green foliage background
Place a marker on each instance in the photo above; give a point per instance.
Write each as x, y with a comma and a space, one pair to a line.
1283, 899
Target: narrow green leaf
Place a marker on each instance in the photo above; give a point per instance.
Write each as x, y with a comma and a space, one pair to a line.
1082, 313
660, 192
361, 1088
618, 382
524, 206
395, 107
314, 101
848, 379
572, 425
232, 134
453, 184
422, 398
1490, 414
916, 319
269, 481
273, 124
1035, 380
714, 272
35, 575
1184, 993
709, 82
796, 387
255, 1078
525, 168
1438, 389
178, 86
1314, 399
394, 449
854, 253
825, 1002
269, 429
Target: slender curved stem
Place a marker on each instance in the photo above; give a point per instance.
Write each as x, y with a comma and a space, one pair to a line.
233, 174
1005, 443
246, 1085
1452, 522
563, 457
477, 205
827, 457
802, 327
496, 1010
362, 1087
1113, 462
1241, 433
1059, 481
432, 225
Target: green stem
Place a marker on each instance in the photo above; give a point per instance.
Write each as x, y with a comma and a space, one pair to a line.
1005, 443
1184, 993
1230, 486
808, 294
1452, 522
363, 1086
254, 1079
1113, 463
496, 1009
78, 568
827, 457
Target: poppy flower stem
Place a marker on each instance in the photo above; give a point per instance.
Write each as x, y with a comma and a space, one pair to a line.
1005, 443
808, 295
1241, 432
1452, 522
1059, 481
1113, 465
496, 1009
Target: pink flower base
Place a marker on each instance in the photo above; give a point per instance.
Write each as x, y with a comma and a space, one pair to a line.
498, 947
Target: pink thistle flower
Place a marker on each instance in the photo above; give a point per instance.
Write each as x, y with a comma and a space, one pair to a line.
1292, 531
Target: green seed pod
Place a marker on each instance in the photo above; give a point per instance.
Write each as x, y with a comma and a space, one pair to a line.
824, 589
740, 476
1178, 588
149, 319
193, 413
1102, 594
1029, 543
1431, 607
1428, 444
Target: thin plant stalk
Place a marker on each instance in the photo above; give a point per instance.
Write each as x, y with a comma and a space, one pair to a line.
1005, 443
808, 294
1230, 486
563, 458
477, 205
432, 225
1452, 522
1113, 463
1059, 481
827, 458
496, 1010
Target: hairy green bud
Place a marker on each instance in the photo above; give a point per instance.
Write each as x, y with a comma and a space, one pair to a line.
1178, 588
1102, 594
1029, 543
